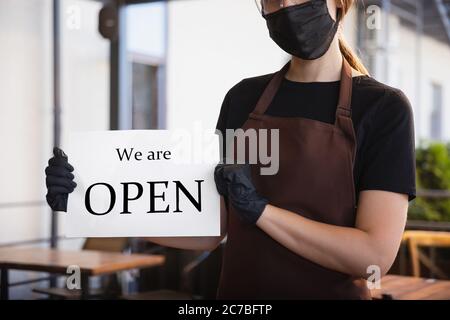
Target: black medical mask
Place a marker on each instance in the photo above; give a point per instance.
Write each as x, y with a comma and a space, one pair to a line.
305, 30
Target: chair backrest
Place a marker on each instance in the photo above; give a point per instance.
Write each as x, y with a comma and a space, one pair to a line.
106, 244
418, 239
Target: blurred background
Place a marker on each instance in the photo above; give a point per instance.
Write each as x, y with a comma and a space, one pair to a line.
69, 65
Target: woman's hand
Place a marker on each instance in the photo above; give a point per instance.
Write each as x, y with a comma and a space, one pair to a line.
234, 181
59, 180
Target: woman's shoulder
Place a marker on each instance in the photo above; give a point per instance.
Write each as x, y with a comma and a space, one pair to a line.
240, 100
386, 99
385, 111
250, 86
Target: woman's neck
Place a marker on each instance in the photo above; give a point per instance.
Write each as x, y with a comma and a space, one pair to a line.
326, 68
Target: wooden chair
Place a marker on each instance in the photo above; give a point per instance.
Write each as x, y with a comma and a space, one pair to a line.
416, 240
96, 244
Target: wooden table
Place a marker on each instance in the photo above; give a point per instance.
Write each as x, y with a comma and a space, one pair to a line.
91, 263
411, 288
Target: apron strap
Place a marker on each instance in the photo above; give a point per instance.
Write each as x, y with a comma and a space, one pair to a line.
344, 107
345, 96
271, 90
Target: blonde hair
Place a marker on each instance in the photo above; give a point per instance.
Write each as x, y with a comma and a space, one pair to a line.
346, 50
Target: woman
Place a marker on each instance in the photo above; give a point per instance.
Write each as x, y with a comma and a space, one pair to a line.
337, 207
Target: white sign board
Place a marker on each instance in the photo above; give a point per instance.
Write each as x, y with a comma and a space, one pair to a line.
143, 183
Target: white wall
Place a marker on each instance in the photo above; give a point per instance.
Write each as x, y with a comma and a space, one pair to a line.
26, 102
146, 32
26, 108
25, 111
213, 44
434, 68
25, 123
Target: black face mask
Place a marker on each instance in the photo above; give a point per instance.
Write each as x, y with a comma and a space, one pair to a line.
305, 30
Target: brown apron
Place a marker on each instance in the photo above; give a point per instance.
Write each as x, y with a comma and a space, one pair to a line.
315, 180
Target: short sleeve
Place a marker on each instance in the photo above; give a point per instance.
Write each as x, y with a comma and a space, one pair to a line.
389, 159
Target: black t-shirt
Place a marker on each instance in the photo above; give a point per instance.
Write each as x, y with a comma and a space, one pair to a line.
382, 117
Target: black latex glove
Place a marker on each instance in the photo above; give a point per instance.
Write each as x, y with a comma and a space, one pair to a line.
240, 190
219, 179
59, 180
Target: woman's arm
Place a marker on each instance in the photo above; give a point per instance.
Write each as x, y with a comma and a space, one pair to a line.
197, 243
375, 240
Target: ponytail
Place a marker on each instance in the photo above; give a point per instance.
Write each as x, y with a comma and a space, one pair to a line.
351, 57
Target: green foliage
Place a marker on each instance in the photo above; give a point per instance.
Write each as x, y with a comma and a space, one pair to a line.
433, 173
